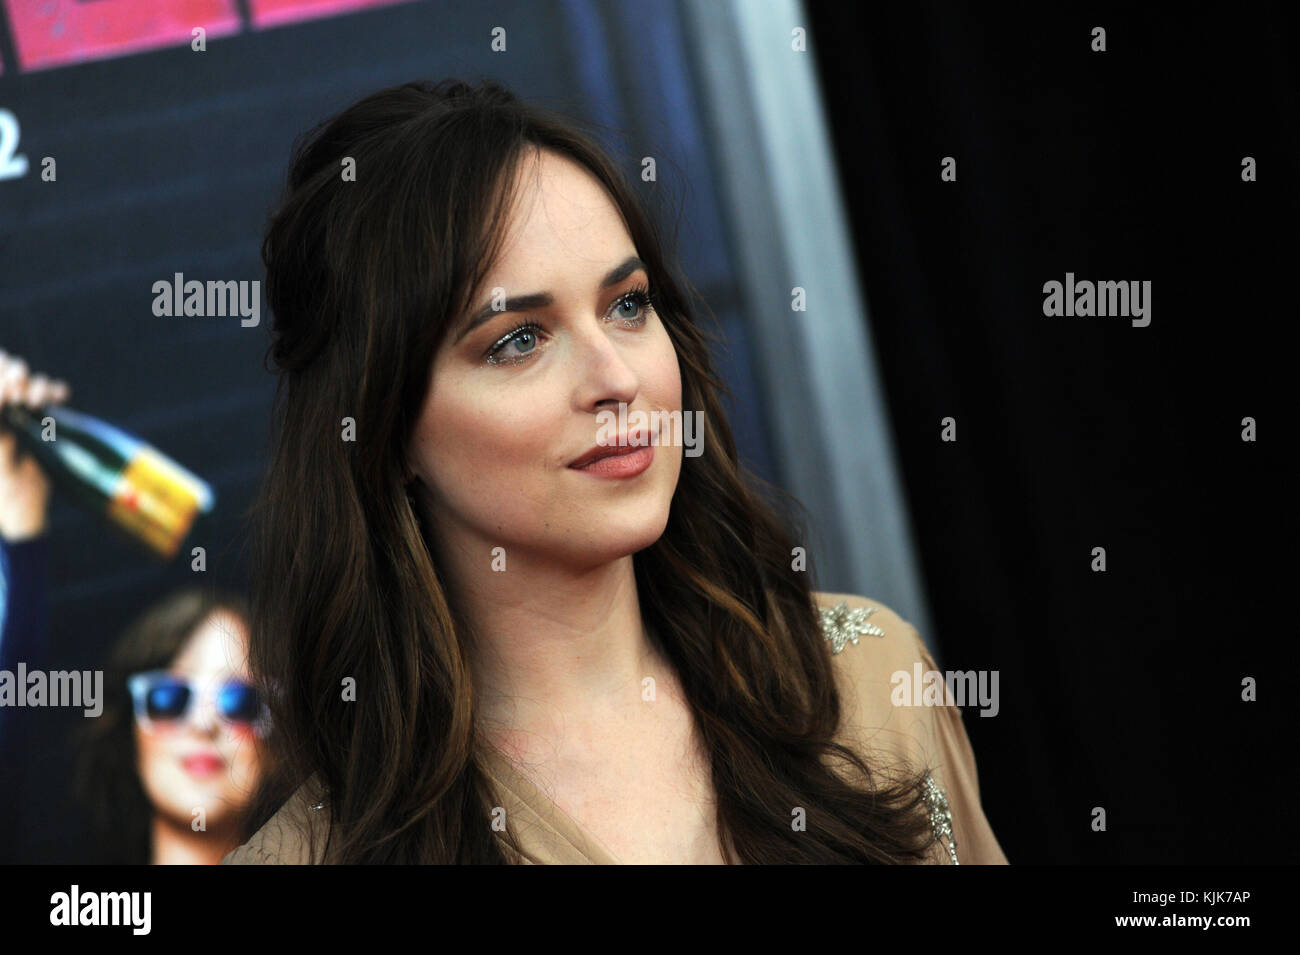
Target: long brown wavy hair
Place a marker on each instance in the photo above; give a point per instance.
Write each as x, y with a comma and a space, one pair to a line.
365, 273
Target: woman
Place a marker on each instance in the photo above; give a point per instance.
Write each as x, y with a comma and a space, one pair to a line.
489, 651
172, 767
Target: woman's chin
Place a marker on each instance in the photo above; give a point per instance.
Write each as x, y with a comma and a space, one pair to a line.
182, 812
183, 797
613, 539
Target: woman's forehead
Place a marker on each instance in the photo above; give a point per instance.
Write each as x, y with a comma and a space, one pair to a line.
218, 645
561, 218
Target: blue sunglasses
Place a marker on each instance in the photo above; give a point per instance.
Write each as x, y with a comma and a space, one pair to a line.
160, 697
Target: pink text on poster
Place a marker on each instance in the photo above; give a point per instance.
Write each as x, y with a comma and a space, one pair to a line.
48, 33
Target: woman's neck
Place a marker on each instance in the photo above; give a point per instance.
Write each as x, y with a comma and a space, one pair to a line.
559, 646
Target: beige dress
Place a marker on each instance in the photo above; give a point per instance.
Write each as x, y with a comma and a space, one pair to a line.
869, 644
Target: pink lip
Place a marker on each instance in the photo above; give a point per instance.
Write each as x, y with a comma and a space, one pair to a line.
630, 463
626, 444
203, 765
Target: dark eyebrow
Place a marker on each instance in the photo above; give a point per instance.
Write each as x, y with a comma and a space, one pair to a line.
527, 303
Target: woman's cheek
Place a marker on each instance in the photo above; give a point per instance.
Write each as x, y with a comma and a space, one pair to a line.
151, 750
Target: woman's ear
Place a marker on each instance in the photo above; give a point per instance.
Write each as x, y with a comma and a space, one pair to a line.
415, 499
411, 483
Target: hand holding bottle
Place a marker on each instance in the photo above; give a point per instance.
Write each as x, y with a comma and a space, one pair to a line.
97, 465
24, 487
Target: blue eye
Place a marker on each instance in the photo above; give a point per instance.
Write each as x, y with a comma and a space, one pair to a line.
641, 298
524, 333
630, 300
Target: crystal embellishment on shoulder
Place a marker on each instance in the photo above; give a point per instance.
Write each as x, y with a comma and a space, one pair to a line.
842, 626
940, 815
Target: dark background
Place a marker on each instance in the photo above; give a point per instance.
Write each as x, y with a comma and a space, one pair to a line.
1119, 689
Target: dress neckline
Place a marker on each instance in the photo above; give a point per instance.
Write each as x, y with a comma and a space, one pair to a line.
537, 810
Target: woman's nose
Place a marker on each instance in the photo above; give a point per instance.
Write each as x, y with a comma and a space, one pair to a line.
203, 717
604, 372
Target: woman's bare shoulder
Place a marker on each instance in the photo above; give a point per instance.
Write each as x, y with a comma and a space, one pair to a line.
295, 835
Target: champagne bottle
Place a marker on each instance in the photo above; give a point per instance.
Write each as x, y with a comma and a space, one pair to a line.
113, 474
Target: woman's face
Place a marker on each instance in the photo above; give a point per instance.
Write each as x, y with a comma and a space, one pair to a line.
203, 762
498, 432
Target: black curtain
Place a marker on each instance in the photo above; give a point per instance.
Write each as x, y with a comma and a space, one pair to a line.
1119, 690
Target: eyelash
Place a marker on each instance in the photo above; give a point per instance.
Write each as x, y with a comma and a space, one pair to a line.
640, 295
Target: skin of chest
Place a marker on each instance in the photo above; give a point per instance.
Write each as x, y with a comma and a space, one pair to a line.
638, 783
645, 815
